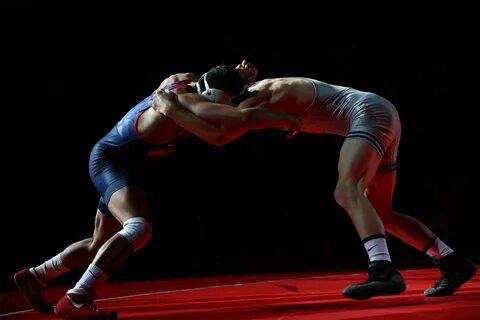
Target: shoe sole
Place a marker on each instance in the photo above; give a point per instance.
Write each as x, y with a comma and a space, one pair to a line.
378, 288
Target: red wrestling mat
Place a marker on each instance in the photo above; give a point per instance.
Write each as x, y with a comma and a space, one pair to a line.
309, 296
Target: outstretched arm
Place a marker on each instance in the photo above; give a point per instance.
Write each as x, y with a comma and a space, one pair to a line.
254, 117
218, 123
166, 104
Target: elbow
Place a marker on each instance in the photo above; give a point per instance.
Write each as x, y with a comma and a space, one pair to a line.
221, 137
224, 135
220, 140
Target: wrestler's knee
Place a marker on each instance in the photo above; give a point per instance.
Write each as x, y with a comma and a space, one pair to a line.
87, 246
346, 194
95, 244
137, 231
88, 243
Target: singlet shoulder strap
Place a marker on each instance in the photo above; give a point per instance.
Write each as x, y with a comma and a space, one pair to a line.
177, 84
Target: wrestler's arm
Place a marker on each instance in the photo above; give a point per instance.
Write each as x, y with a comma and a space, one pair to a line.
254, 117
166, 104
216, 135
217, 123
216, 113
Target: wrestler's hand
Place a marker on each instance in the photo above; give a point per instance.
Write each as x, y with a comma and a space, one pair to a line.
247, 71
163, 101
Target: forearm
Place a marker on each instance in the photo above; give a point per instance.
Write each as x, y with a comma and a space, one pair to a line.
207, 124
259, 118
217, 135
216, 113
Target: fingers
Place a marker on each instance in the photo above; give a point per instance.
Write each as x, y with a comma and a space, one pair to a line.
247, 71
164, 93
241, 65
245, 65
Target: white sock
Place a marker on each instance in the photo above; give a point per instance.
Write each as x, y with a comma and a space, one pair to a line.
49, 270
376, 247
92, 277
439, 249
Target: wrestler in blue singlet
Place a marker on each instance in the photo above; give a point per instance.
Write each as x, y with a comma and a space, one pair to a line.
116, 158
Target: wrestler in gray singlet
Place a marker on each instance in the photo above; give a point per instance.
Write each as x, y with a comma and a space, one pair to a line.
353, 113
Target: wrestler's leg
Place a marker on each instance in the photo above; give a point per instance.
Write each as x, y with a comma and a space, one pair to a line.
404, 227
125, 204
31, 282
358, 163
129, 206
83, 252
456, 269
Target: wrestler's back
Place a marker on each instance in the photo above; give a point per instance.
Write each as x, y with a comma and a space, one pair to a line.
292, 94
322, 107
143, 125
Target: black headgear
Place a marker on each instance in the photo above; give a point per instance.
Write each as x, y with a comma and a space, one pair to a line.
213, 94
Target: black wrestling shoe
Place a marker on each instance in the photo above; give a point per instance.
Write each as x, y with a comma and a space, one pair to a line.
383, 280
455, 271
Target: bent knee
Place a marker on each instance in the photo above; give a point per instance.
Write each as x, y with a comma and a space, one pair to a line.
137, 231
346, 194
93, 245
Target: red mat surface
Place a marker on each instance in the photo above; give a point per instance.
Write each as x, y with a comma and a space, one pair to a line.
310, 296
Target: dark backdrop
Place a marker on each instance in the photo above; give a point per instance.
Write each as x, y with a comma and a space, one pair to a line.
259, 204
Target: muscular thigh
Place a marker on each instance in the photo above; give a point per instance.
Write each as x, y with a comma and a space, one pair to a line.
358, 162
379, 125
129, 202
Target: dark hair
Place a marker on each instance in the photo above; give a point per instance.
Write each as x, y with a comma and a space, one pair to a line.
226, 78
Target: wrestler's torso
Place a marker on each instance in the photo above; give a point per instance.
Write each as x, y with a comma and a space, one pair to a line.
155, 128
322, 107
142, 128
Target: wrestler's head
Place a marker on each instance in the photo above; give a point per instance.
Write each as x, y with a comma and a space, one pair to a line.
221, 84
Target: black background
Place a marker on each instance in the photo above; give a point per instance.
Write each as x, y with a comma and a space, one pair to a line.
259, 204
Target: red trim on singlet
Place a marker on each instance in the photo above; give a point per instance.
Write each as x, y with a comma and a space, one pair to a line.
135, 124
135, 128
178, 84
